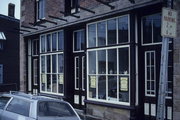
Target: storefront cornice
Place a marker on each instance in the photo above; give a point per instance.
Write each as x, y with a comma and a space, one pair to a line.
113, 12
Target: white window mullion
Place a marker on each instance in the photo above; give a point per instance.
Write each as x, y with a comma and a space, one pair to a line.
152, 30
107, 75
97, 75
45, 72
51, 71
96, 36
118, 74
117, 28
150, 67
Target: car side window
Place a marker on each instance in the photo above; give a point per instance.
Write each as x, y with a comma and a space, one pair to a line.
19, 106
3, 101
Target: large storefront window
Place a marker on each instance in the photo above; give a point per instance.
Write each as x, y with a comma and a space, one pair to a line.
107, 65
52, 63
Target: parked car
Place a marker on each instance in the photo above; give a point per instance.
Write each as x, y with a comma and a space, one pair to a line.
21, 106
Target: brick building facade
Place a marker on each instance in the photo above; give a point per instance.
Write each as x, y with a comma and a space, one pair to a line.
103, 56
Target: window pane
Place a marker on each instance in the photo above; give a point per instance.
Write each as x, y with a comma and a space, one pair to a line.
60, 63
60, 40
35, 47
43, 43
42, 64
92, 35
112, 88
101, 33
82, 39
54, 69
19, 106
92, 62
147, 30
112, 61
60, 83
123, 29
43, 82
157, 28
54, 41
123, 61
48, 43
54, 83
92, 86
102, 87
102, 62
41, 9
48, 82
3, 102
77, 41
111, 25
48, 59
1, 45
124, 89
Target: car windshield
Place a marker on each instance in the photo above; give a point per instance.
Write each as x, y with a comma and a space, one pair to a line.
52, 108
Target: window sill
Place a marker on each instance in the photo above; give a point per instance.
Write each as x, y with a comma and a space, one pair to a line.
109, 105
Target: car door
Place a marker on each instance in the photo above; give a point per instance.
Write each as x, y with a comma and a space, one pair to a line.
3, 101
17, 109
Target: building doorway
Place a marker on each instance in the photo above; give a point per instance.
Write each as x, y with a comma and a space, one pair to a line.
79, 68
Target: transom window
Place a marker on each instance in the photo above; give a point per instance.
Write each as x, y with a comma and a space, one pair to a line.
52, 63
151, 29
79, 40
108, 67
35, 47
109, 32
52, 42
40, 9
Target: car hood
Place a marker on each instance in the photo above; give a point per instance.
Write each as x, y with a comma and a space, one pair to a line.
58, 118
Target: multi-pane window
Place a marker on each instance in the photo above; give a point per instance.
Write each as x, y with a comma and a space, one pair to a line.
53, 42
150, 73
108, 66
52, 63
110, 32
1, 73
170, 73
79, 40
77, 70
151, 29
35, 71
40, 9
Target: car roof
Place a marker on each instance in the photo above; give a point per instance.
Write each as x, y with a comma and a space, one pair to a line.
31, 97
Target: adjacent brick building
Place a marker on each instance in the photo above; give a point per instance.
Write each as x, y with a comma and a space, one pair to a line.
9, 53
103, 56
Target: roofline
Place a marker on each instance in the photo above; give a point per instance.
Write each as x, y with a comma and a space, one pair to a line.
92, 18
9, 18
